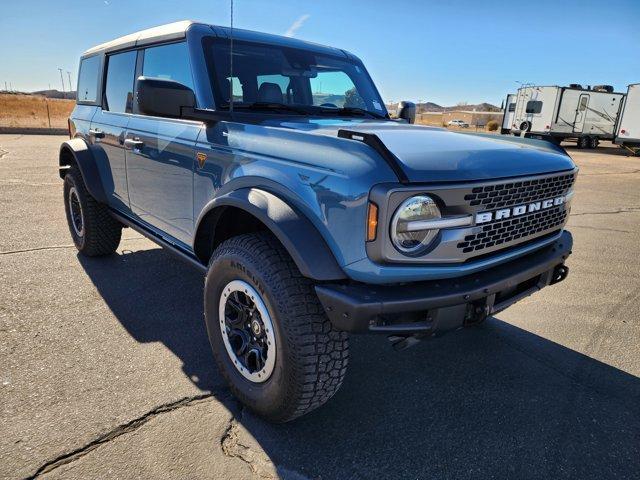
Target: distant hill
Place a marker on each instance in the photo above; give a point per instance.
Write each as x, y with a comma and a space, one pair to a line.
435, 108
55, 94
429, 107
480, 107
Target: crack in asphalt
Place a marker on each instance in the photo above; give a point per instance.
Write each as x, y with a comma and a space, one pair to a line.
54, 247
610, 173
3, 152
13, 181
130, 426
232, 446
612, 212
260, 464
602, 229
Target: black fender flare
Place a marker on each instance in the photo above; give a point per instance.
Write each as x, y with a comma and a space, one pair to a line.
86, 161
300, 238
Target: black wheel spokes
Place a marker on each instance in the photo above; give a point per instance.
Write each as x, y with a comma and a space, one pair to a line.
241, 318
254, 359
76, 214
239, 341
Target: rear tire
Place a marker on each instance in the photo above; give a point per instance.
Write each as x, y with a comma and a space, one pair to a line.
583, 142
94, 231
310, 355
594, 142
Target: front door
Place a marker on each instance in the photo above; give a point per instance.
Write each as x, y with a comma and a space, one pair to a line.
160, 164
161, 152
581, 113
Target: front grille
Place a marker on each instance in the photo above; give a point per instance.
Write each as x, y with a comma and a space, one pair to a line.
503, 195
509, 230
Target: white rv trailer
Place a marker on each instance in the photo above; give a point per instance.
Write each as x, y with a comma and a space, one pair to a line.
628, 129
558, 113
509, 112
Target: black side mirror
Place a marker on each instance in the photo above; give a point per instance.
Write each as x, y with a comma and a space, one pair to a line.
407, 111
163, 98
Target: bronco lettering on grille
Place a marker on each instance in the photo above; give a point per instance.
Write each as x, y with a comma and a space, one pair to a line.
518, 210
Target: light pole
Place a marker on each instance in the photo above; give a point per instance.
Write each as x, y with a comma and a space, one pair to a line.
69, 75
64, 95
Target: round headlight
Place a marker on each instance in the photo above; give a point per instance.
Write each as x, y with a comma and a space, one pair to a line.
406, 235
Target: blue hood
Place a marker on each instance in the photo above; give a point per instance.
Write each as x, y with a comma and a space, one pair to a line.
428, 154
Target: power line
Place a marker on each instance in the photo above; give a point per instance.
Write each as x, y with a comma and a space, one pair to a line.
64, 95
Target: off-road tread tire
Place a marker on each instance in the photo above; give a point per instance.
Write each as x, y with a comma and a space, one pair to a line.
318, 353
102, 232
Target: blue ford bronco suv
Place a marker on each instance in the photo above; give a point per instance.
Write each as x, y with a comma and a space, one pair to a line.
272, 165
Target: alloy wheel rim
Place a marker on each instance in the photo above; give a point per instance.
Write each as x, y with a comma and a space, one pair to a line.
75, 212
247, 331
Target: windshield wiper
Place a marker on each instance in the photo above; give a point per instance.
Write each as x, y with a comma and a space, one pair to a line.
356, 111
268, 106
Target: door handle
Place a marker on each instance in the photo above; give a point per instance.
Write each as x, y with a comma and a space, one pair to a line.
133, 143
96, 133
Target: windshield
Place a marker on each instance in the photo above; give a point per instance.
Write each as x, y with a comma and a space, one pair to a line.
273, 77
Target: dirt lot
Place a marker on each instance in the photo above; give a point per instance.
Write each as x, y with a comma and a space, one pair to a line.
106, 372
31, 111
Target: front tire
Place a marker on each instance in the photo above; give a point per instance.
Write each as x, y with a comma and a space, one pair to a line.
275, 347
94, 231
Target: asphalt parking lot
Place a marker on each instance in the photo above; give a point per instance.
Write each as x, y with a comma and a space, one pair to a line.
106, 371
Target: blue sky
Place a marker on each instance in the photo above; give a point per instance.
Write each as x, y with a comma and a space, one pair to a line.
445, 52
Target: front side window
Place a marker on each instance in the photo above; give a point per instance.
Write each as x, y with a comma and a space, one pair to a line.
534, 106
88, 79
583, 103
119, 88
305, 81
335, 89
169, 62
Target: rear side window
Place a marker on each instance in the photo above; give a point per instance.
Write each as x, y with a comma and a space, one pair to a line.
534, 106
119, 88
170, 62
512, 107
88, 79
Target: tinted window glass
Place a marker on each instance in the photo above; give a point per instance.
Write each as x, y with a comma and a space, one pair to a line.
88, 79
313, 82
119, 89
534, 106
583, 103
335, 89
512, 107
170, 62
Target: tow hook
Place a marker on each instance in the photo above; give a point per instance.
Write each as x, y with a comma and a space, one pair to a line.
559, 274
402, 342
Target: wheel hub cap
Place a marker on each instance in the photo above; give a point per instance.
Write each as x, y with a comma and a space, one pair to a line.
75, 212
247, 331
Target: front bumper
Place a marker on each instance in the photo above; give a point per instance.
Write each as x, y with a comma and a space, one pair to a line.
439, 305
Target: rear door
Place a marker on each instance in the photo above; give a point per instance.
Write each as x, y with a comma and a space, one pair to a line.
581, 112
161, 151
109, 125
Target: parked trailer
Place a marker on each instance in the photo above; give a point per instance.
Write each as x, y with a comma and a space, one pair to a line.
554, 113
509, 113
628, 129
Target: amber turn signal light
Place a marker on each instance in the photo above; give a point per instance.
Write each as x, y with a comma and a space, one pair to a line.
372, 222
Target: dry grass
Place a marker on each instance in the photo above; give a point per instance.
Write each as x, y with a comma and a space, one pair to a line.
31, 111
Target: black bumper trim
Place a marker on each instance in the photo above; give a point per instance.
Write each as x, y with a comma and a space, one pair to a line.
362, 307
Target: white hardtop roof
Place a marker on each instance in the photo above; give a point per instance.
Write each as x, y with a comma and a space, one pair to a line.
170, 31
